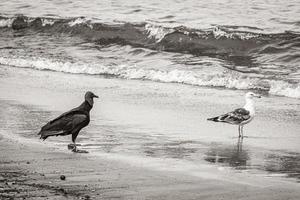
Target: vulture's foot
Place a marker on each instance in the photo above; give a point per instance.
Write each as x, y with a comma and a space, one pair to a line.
72, 146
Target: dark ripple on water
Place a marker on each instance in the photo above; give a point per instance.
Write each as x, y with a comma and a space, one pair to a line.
240, 48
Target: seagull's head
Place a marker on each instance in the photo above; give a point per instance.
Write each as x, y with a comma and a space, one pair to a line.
251, 95
89, 97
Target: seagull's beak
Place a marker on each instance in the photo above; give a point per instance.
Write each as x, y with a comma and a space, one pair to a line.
95, 96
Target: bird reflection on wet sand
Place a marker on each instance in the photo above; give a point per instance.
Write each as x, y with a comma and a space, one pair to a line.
234, 157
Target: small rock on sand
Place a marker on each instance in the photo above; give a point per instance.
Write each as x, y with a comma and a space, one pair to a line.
62, 177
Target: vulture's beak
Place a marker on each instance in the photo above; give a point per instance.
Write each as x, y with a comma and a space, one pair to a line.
95, 96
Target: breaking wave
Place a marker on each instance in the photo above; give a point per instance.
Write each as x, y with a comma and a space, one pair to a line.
227, 79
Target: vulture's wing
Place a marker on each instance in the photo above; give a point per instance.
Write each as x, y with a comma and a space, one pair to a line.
63, 125
70, 112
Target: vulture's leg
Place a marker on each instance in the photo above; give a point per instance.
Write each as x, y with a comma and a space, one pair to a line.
73, 146
74, 136
75, 150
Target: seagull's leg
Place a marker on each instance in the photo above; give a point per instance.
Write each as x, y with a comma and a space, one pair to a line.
240, 145
239, 131
242, 131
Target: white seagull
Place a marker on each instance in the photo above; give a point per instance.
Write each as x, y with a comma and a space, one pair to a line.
240, 116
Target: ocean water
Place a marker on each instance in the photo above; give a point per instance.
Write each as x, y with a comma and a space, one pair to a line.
231, 44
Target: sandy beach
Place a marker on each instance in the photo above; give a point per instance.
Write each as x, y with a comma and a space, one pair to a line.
135, 152
33, 172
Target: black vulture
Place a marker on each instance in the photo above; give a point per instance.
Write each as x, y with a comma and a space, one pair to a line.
70, 122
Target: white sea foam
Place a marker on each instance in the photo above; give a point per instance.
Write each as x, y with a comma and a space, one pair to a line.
47, 22
219, 33
225, 79
80, 20
285, 89
6, 22
157, 32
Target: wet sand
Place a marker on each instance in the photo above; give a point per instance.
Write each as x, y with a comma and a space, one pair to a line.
207, 164
33, 172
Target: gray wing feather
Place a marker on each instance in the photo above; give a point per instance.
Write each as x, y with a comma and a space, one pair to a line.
235, 117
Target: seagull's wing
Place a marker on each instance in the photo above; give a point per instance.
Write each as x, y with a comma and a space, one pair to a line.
235, 117
64, 125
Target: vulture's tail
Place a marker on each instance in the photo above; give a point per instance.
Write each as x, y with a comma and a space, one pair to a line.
47, 131
46, 134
